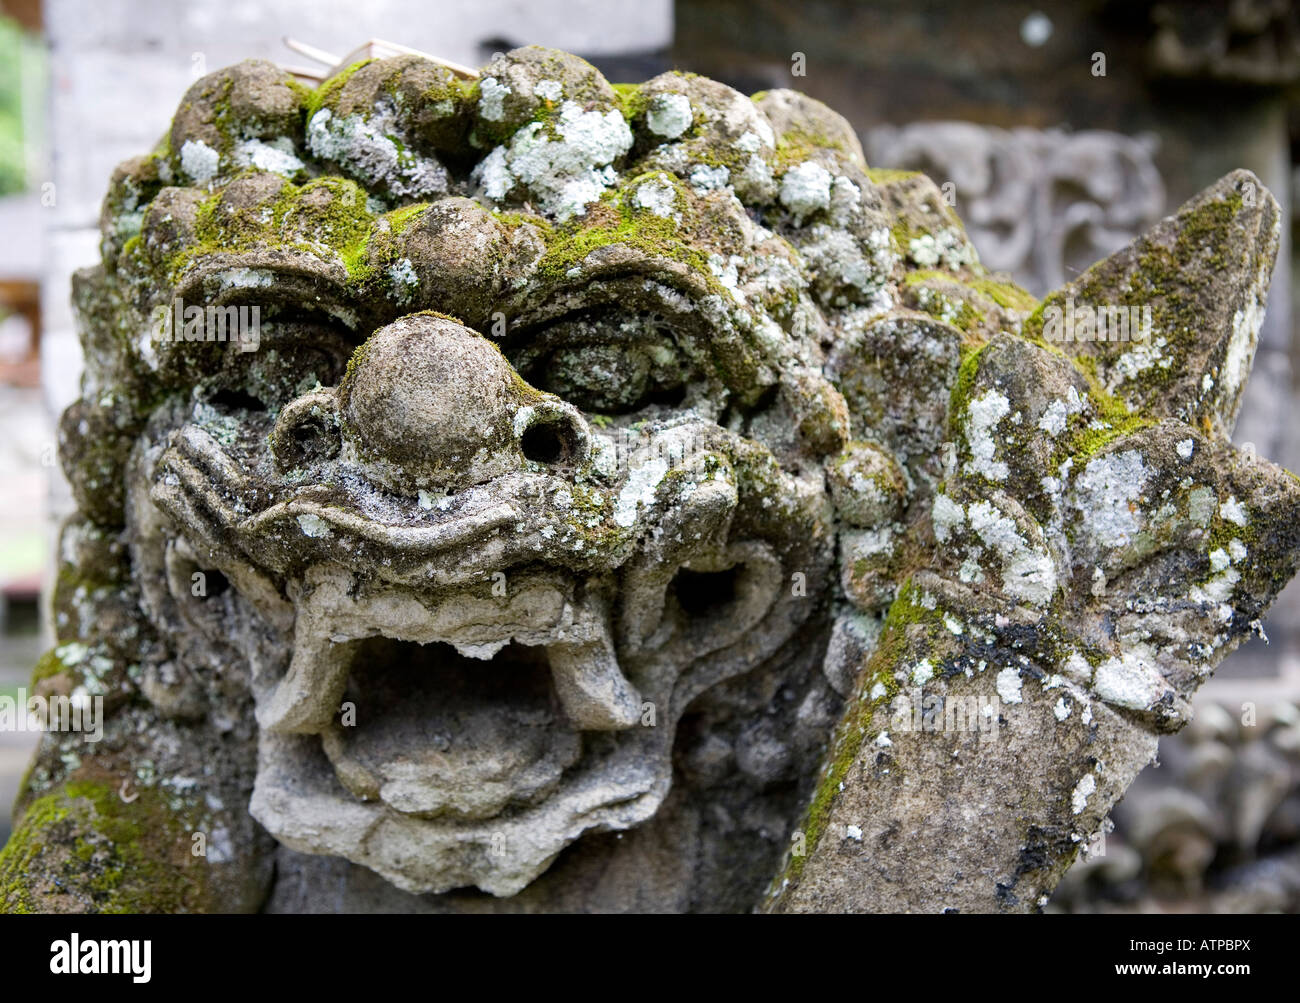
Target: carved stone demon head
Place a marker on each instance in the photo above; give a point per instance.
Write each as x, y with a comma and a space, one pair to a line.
585, 439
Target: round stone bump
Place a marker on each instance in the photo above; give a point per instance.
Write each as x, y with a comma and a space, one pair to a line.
429, 404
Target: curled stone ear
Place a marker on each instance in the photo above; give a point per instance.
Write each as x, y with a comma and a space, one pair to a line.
1196, 284
1096, 549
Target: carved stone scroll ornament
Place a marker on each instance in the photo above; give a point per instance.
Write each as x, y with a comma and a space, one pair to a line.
1041, 204
580, 457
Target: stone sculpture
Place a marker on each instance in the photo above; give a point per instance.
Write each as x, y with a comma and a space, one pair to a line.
603, 496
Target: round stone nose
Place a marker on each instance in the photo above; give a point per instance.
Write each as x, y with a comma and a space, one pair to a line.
429, 404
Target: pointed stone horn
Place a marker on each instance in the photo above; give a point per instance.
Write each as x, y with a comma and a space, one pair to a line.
1172, 320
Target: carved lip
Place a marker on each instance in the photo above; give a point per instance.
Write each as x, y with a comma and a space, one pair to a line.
208, 490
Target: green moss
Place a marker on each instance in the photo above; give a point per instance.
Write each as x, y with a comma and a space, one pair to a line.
949, 309
1007, 295
855, 729
83, 842
20, 856
297, 217
50, 665
330, 89
401, 220
903, 232
632, 101
1163, 278
886, 175
796, 145
623, 223
967, 370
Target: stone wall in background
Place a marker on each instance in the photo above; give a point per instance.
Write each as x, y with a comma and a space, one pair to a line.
1214, 828
1042, 204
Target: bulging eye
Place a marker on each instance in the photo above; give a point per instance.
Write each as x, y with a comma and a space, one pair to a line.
607, 366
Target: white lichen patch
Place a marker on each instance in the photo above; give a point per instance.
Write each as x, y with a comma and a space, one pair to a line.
1232, 511
1130, 680
669, 115
1184, 448
367, 148
1105, 494
1028, 572
548, 90
1241, 346
639, 490
1218, 589
659, 197
491, 98
313, 525
1141, 357
806, 189
983, 415
404, 280
1057, 413
199, 161
1077, 668
947, 246
1008, 684
564, 168
836, 255
947, 515
278, 156
704, 178
1082, 791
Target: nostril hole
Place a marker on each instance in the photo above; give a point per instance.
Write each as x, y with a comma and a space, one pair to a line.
310, 440
217, 583
704, 593
549, 442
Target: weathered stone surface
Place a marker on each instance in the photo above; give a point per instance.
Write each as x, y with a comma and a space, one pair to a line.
595, 450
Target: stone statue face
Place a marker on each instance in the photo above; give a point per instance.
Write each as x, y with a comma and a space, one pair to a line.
521, 454
522, 450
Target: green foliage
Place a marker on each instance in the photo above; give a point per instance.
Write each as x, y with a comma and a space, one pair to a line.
20, 75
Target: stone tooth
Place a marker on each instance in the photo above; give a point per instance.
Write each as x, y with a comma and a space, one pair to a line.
593, 691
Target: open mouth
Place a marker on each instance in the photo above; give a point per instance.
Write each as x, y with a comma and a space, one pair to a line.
432, 732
